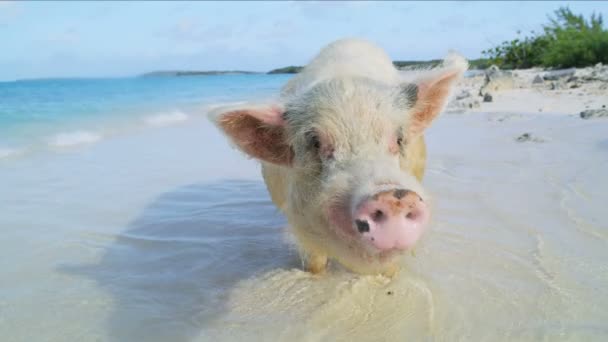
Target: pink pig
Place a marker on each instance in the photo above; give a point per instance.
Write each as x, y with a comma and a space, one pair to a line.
343, 153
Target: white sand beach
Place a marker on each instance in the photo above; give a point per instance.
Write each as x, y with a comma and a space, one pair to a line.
566, 92
167, 233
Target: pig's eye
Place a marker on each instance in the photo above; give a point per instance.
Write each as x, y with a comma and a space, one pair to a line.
322, 149
400, 139
313, 141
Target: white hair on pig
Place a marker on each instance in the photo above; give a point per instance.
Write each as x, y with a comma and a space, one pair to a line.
343, 152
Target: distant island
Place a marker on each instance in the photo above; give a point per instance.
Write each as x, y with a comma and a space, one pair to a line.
480, 63
197, 73
294, 69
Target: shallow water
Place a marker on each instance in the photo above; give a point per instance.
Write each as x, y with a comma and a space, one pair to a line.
49, 114
167, 234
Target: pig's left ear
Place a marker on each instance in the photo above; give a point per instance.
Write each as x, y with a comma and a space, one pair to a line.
433, 91
258, 131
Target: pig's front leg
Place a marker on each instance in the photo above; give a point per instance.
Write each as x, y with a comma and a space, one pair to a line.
316, 263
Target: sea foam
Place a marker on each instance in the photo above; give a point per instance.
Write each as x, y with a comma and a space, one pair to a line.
166, 118
8, 152
76, 138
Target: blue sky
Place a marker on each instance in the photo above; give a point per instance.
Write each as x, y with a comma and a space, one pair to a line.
78, 39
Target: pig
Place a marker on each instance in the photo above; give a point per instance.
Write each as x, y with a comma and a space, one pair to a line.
343, 155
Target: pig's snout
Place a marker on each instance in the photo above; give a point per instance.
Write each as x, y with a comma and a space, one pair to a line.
393, 219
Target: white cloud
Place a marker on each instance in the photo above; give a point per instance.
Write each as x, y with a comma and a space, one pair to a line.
9, 10
68, 36
334, 10
191, 30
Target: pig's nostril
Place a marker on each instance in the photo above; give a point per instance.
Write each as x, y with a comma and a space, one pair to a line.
412, 215
377, 215
362, 226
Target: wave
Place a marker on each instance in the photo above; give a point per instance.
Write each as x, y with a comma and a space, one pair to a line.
76, 138
166, 118
8, 152
213, 106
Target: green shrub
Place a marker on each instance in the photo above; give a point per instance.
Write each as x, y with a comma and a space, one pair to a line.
575, 42
568, 40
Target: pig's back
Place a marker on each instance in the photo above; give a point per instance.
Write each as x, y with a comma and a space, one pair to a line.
344, 58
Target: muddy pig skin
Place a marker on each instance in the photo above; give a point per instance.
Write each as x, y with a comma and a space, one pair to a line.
343, 153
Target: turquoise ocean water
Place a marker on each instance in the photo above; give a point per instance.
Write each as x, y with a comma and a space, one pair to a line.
37, 115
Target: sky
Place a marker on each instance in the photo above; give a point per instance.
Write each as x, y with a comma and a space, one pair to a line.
40, 39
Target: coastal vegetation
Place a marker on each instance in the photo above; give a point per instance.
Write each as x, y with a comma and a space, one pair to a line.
292, 69
568, 40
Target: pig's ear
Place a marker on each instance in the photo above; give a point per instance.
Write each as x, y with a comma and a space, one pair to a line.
432, 92
258, 131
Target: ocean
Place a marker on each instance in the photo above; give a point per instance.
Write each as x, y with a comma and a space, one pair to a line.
38, 115
126, 216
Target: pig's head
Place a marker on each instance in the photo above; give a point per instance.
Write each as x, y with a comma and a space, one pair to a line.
354, 155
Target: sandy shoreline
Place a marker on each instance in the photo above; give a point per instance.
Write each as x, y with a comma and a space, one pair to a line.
167, 233
533, 91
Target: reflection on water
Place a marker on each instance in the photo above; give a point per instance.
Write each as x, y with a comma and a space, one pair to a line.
105, 243
169, 272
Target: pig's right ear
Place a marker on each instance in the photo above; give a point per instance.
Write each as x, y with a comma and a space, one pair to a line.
258, 131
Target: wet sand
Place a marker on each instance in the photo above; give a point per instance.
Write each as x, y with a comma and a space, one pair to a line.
517, 249
169, 234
